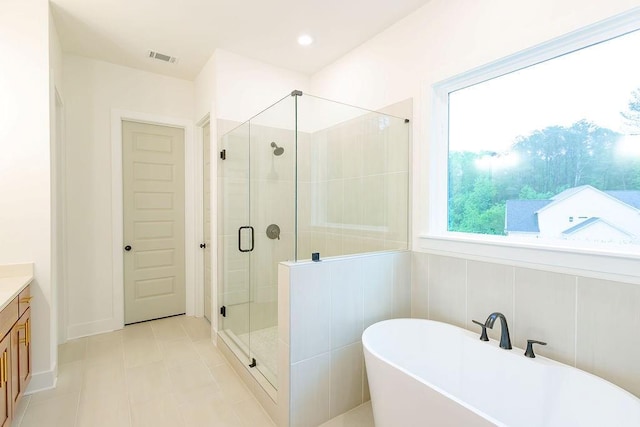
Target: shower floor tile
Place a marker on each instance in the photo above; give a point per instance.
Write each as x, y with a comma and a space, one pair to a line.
264, 347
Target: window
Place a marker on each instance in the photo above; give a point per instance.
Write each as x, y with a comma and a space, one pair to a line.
548, 149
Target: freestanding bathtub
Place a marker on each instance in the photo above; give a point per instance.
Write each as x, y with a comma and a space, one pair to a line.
427, 373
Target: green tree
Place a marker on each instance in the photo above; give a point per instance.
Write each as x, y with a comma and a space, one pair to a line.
477, 210
493, 220
528, 193
556, 158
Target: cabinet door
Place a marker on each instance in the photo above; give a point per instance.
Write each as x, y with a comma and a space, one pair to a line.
5, 383
20, 356
25, 353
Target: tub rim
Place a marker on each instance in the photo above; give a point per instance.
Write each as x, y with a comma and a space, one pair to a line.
538, 359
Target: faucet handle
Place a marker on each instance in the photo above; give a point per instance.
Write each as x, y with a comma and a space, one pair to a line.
529, 351
483, 335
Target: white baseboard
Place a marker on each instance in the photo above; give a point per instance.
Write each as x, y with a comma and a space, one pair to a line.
41, 381
80, 330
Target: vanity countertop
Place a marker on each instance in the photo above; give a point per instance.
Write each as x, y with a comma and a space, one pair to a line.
13, 279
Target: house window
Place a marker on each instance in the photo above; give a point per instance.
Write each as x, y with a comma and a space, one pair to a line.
532, 140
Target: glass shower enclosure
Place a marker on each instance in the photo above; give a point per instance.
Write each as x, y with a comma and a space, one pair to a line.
306, 175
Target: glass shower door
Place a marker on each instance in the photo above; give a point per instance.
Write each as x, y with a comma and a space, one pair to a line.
258, 222
272, 214
235, 178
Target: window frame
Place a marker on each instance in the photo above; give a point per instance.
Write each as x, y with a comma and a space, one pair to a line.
601, 262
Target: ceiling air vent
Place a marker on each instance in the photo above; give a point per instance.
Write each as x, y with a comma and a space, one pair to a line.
162, 57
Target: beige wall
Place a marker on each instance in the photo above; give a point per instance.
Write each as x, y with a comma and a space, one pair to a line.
56, 134
205, 92
55, 54
25, 182
244, 87
92, 89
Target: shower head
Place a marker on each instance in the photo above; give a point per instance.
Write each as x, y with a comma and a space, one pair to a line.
277, 151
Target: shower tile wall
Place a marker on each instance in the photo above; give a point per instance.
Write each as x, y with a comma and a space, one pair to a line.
589, 323
331, 303
353, 186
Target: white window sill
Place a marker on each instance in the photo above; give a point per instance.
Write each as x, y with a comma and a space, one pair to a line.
567, 258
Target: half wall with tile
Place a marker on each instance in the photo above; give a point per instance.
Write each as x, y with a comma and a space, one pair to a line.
330, 303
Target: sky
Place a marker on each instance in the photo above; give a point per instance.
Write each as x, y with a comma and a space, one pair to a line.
594, 83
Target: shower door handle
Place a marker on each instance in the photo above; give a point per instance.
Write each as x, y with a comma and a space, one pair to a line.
246, 227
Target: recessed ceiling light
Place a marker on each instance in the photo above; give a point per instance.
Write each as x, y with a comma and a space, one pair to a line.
305, 40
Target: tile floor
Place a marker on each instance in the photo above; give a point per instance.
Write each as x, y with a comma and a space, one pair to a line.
161, 373
362, 416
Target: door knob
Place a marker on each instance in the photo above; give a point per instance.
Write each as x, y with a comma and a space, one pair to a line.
127, 248
203, 245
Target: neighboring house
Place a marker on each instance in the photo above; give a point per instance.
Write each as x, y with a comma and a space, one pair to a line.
579, 213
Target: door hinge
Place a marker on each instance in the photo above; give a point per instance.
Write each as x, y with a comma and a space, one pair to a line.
223, 154
253, 363
223, 311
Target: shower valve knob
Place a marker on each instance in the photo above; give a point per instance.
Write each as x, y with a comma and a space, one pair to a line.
273, 232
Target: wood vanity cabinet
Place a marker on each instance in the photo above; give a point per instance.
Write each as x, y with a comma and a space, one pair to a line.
6, 400
15, 354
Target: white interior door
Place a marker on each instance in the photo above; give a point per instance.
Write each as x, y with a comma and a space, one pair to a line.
206, 188
153, 191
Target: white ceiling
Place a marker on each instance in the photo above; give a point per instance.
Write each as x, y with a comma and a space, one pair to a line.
122, 31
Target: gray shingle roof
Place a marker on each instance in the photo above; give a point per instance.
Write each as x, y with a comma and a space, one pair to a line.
630, 197
521, 215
